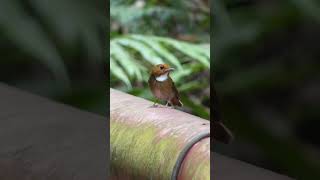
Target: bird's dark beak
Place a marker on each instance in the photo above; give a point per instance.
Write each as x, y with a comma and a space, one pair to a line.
169, 69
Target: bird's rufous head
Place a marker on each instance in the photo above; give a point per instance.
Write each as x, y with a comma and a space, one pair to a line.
161, 69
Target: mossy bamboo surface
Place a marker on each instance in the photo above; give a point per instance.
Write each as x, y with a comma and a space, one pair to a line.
146, 141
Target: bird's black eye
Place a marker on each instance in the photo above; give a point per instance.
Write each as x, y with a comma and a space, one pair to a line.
161, 67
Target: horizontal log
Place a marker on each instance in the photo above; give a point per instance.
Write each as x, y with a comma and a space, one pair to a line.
146, 141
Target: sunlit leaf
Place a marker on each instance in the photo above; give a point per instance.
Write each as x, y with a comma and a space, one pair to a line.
161, 50
189, 49
147, 53
118, 72
126, 60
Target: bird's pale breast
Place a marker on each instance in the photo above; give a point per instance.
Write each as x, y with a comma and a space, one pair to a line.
162, 90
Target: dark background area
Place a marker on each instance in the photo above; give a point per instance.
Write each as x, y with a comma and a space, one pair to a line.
266, 59
56, 49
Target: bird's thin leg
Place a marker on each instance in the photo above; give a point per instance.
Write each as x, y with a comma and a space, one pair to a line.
171, 105
167, 103
155, 103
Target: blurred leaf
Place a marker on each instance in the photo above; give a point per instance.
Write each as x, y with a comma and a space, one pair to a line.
127, 15
195, 51
309, 7
86, 22
126, 60
146, 52
28, 35
159, 49
117, 71
156, 50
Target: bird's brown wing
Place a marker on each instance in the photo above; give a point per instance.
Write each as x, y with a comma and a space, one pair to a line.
151, 82
176, 99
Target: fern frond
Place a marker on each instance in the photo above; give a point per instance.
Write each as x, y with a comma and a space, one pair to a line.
136, 53
125, 59
117, 71
195, 51
146, 52
158, 47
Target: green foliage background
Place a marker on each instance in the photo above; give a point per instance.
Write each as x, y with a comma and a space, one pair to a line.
145, 33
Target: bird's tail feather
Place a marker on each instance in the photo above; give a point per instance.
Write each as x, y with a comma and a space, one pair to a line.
176, 102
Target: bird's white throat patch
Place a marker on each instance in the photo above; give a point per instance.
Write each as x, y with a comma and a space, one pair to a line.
162, 77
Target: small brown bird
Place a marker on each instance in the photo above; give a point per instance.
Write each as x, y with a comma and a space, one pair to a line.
162, 86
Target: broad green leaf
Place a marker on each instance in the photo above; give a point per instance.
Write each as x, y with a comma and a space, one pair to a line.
125, 59
29, 36
178, 75
186, 48
146, 52
153, 49
159, 49
119, 73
